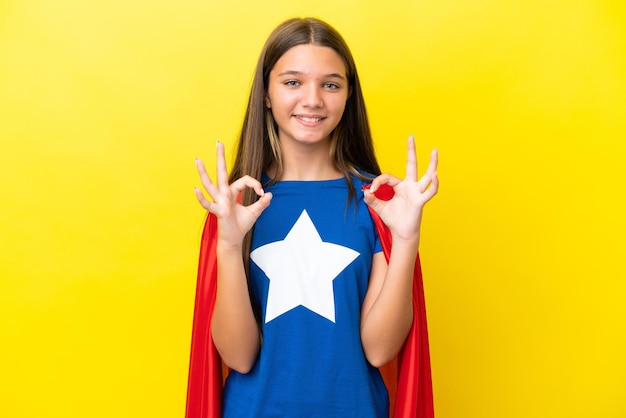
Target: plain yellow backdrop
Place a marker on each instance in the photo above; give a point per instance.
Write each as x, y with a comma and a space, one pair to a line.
105, 104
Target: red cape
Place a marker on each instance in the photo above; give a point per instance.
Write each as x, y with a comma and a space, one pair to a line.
408, 376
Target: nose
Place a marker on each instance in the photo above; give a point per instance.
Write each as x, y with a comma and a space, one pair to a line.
312, 96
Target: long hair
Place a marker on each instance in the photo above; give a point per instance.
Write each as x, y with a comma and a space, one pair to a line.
352, 148
351, 141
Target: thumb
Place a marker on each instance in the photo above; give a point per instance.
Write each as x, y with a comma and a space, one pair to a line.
372, 201
259, 206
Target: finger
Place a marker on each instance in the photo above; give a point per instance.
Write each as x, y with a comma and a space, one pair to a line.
382, 192
205, 178
204, 202
426, 179
373, 202
259, 206
247, 182
384, 178
429, 193
411, 160
434, 161
222, 171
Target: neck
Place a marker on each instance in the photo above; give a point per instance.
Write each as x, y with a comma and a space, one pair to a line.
307, 163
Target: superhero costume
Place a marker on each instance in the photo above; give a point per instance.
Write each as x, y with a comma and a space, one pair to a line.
408, 377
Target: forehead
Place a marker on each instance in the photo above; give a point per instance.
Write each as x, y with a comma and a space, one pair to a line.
310, 59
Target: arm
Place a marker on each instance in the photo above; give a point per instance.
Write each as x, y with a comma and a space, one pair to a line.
234, 328
387, 310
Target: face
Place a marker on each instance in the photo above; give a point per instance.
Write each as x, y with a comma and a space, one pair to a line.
307, 94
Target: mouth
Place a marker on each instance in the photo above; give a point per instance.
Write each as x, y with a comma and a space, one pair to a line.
309, 119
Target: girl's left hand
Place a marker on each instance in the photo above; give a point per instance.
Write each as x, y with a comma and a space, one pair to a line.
403, 213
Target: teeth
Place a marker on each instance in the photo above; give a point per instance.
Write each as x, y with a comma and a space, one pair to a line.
310, 119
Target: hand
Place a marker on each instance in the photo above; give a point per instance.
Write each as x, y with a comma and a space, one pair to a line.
234, 219
403, 213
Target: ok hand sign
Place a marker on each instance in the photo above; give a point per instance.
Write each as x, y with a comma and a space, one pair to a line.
234, 219
403, 213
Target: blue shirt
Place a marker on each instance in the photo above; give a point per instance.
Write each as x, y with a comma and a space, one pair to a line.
311, 257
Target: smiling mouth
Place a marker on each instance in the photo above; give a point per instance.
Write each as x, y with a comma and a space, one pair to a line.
309, 120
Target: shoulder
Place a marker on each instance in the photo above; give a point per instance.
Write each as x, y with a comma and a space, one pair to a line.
360, 177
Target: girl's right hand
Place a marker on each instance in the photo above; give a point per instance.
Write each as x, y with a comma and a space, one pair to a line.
234, 219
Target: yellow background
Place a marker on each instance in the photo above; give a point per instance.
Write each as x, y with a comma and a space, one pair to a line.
105, 104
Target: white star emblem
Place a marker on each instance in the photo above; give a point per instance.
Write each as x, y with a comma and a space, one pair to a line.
301, 269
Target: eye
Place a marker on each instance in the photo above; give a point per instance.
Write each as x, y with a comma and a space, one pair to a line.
331, 86
291, 83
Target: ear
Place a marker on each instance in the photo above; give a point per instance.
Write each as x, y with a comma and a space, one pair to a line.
268, 103
349, 92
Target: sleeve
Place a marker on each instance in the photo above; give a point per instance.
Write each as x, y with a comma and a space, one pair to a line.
378, 246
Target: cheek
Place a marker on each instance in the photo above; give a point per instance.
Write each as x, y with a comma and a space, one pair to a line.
273, 98
340, 105
283, 101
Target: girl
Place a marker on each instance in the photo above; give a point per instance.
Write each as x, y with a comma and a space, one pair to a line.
307, 306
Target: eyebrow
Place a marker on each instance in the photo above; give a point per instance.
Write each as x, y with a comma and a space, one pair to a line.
295, 72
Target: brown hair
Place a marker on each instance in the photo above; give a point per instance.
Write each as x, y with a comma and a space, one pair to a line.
352, 149
351, 141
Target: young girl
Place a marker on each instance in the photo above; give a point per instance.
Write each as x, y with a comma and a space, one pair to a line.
307, 306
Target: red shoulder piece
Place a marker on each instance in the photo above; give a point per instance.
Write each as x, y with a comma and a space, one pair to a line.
414, 391
408, 376
204, 387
